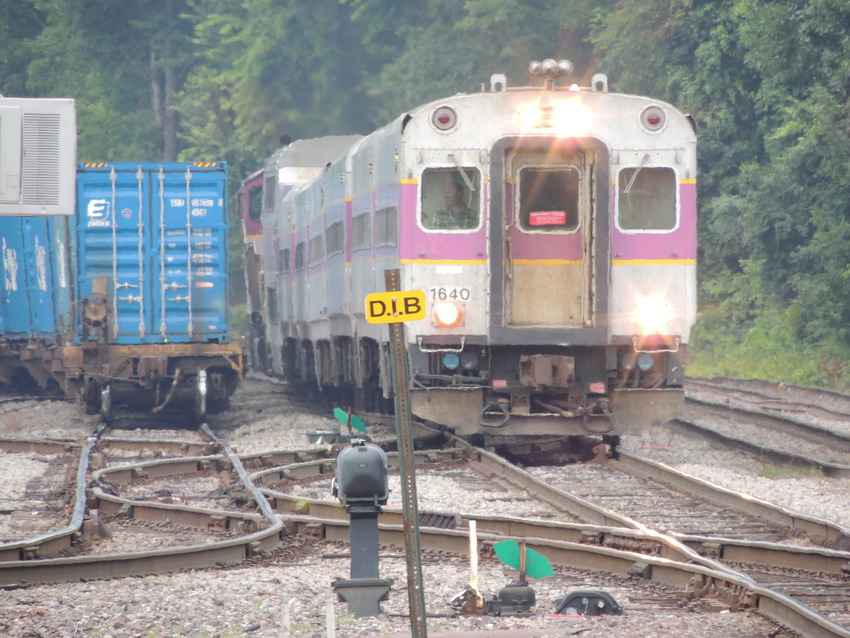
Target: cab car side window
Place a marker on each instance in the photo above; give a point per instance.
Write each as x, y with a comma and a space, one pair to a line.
451, 199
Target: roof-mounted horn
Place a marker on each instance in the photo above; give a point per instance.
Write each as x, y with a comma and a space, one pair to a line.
549, 69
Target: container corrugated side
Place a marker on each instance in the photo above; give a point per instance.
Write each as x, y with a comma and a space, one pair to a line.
152, 241
35, 296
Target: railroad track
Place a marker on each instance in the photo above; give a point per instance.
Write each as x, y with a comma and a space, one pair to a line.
777, 396
621, 542
71, 553
793, 430
741, 571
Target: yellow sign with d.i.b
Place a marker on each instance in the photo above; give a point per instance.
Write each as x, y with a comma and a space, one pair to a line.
395, 307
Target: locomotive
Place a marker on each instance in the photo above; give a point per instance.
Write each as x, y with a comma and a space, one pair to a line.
551, 227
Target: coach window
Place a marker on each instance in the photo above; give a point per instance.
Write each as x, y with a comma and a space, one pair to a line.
451, 199
361, 232
336, 238
255, 205
269, 184
300, 256
284, 261
271, 296
317, 250
549, 199
647, 199
386, 227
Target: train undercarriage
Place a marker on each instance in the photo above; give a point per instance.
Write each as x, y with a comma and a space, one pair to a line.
195, 379
509, 391
180, 380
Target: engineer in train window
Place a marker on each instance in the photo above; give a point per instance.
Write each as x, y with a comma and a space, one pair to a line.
452, 212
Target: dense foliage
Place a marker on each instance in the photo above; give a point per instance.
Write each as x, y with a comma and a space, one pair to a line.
768, 81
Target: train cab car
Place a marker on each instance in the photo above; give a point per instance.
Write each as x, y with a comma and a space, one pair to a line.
553, 231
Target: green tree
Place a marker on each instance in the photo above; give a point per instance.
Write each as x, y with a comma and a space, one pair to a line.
791, 209
450, 47
272, 68
20, 24
123, 62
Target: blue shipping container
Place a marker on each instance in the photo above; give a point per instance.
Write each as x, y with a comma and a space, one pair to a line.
152, 244
35, 297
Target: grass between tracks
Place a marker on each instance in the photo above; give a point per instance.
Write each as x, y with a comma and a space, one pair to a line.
777, 472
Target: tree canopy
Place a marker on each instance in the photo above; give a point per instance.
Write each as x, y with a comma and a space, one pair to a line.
768, 82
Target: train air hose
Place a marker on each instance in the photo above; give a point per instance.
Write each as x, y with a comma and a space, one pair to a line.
502, 407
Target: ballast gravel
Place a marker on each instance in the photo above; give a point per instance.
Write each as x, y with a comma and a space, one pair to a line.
291, 595
19, 510
794, 489
257, 601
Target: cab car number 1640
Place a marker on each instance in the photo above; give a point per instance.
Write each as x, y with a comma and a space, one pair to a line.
442, 294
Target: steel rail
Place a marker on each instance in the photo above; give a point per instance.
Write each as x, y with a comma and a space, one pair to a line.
236, 463
694, 580
762, 452
644, 541
833, 535
730, 550
788, 424
702, 575
263, 530
704, 551
791, 392
297, 469
616, 530
61, 539
560, 499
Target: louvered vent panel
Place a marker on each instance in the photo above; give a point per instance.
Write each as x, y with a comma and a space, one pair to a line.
40, 174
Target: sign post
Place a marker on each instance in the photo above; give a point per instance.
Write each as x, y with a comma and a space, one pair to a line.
394, 307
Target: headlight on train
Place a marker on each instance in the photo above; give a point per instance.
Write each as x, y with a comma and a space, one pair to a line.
652, 314
447, 314
565, 118
645, 361
451, 361
469, 360
571, 117
529, 117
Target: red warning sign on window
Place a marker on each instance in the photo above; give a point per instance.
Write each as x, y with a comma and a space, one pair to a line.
547, 218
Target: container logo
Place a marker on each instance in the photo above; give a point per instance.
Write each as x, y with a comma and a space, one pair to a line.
98, 213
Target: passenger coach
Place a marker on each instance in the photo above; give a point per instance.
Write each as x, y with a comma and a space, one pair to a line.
552, 228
